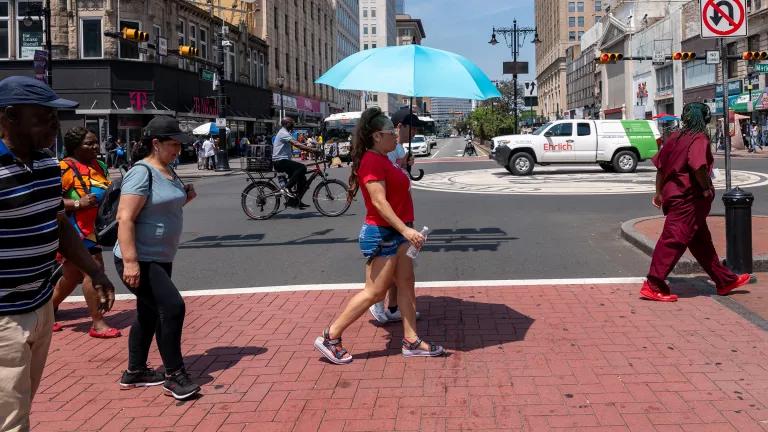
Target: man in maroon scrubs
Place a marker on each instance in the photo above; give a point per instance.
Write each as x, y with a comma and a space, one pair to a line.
685, 193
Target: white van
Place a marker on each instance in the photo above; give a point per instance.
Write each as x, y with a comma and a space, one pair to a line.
615, 145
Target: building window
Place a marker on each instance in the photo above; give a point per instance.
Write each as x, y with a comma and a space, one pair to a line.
699, 73
579, 6
664, 79
277, 60
373, 13
571, 21
276, 20
581, 21
373, 30
287, 65
181, 31
597, 18
4, 39
296, 31
581, 33
598, 5
365, 13
373, 45
130, 50
365, 46
261, 71
90, 38
28, 39
365, 30
286, 25
733, 65
571, 35
571, 6
204, 43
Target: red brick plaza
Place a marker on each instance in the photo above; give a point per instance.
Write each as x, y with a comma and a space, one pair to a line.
589, 357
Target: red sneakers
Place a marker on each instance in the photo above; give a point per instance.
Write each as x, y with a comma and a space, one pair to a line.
651, 293
742, 280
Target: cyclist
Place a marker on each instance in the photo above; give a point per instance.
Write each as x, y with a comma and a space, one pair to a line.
282, 152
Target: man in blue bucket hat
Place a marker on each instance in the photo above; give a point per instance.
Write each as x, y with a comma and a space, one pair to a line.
32, 228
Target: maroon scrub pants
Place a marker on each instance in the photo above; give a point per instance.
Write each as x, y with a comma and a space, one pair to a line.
686, 227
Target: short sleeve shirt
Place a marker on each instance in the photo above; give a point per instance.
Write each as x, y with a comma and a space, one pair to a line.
95, 180
680, 156
159, 224
281, 147
377, 167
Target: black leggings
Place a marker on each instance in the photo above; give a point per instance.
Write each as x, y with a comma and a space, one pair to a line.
297, 174
159, 312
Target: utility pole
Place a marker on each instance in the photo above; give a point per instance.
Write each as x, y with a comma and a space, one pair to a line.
222, 156
514, 37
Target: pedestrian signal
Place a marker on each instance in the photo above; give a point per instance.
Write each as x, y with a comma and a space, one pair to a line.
187, 51
684, 56
606, 58
754, 55
135, 35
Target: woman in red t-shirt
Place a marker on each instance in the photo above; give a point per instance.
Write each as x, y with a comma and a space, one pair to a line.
384, 238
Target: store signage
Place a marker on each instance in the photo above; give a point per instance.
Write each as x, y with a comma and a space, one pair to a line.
31, 41
761, 68
207, 75
289, 102
40, 64
138, 99
205, 106
734, 88
307, 104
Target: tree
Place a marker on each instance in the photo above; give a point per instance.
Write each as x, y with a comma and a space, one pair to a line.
488, 122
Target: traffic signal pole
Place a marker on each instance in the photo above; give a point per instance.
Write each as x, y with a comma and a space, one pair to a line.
222, 156
726, 123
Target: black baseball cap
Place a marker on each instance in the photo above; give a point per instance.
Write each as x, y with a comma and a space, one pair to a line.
405, 117
23, 90
166, 127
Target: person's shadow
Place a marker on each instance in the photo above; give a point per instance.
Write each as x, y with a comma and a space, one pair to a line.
459, 325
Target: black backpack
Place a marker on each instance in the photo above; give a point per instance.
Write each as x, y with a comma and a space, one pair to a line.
106, 218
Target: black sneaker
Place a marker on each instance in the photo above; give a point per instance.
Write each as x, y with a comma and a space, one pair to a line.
180, 385
141, 378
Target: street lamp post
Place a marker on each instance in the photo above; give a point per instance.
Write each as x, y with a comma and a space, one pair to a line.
222, 156
280, 84
514, 37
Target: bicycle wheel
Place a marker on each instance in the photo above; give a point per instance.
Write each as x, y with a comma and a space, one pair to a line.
260, 200
330, 197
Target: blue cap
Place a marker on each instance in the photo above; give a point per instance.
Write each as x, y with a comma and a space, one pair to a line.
17, 90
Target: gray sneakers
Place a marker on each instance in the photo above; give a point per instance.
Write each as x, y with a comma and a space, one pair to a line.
383, 315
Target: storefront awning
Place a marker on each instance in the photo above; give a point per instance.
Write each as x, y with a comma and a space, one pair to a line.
740, 103
115, 111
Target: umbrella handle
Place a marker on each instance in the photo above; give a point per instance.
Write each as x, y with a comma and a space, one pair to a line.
415, 177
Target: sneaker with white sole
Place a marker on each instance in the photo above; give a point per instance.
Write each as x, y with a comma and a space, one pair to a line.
395, 316
413, 349
379, 312
145, 377
180, 385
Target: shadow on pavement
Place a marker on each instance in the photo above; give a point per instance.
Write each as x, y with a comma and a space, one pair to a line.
459, 325
201, 366
440, 240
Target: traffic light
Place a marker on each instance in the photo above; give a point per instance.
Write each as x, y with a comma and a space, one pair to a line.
135, 35
187, 51
683, 56
606, 58
754, 55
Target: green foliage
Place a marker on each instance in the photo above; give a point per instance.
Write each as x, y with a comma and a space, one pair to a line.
488, 122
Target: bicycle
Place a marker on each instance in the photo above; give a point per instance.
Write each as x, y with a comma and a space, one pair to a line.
261, 198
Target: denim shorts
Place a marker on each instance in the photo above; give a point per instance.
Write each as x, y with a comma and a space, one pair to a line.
378, 241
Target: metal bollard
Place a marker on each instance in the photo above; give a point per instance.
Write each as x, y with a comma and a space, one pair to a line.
738, 230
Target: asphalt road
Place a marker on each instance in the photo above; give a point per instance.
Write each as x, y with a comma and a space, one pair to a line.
474, 236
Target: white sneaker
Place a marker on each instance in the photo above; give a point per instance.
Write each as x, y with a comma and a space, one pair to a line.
379, 312
396, 315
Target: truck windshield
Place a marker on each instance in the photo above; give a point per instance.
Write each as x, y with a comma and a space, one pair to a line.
541, 129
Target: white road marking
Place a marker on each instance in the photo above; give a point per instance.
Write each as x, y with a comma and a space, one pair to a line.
422, 285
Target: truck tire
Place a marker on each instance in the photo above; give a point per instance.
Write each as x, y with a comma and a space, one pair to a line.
625, 161
520, 164
606, 166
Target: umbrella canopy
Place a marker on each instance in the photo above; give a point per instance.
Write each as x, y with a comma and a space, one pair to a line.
206, 129
660, 116
411, 70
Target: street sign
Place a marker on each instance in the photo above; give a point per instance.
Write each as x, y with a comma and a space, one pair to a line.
531, 89
659, 58
512, 68
723, 19
713, 57
162, 46
221, 122
207, 75
761, 68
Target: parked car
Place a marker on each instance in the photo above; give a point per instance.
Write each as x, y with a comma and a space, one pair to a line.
419, 146
615, 145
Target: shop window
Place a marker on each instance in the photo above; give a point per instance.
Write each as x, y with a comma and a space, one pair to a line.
4, 39
29, 32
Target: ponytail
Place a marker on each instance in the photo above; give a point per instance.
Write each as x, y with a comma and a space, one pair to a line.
372, 120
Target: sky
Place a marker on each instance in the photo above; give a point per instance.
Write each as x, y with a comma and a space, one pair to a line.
464, 27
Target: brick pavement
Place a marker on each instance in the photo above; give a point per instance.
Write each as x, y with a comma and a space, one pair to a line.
587, 358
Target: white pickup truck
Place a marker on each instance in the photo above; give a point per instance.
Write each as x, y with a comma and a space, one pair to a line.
616, 145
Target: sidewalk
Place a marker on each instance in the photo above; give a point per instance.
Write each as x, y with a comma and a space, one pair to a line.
534, 358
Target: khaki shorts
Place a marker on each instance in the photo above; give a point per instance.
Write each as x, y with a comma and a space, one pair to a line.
24, 342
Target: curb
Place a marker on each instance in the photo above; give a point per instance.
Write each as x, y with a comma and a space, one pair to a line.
686, 265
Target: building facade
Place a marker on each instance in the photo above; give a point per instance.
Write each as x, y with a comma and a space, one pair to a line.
410, 31
561, 24
302, 36
120, 84
580, 76
347, 43
447, 110
378, 29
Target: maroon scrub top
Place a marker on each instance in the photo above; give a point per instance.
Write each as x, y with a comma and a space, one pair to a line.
680, 156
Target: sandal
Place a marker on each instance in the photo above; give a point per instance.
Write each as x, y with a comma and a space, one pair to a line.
332, 349
104, 334
57, 327
413, 349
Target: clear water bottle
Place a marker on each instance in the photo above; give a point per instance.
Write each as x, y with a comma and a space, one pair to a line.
281, 182
413, 252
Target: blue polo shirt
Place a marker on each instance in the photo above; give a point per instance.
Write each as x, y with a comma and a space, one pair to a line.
30, 200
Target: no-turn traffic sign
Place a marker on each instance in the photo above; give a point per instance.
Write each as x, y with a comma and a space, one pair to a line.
723, 19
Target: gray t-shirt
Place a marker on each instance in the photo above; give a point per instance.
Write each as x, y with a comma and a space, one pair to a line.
281, 146
159, 224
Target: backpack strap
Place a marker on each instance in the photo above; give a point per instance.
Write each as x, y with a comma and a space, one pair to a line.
149, 178
77, 174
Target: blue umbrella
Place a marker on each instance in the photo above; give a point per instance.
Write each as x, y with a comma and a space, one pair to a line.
411, 70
